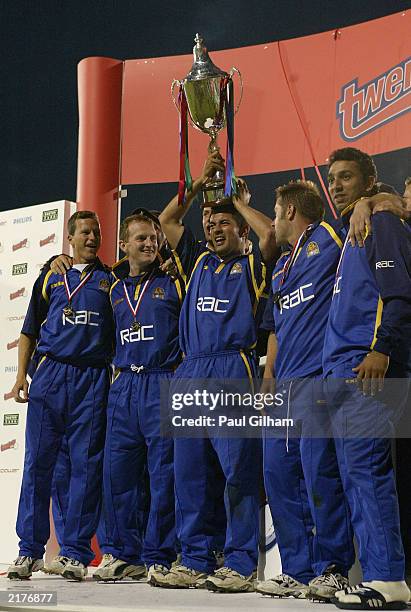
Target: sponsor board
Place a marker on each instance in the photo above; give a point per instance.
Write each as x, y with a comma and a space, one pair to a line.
363, 108
50, 215
20, 268
12, 444
11, 419
21, 245
16, 294
19, 220
13, 344
49, 240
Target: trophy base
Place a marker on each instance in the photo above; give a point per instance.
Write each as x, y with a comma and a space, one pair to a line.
213, 196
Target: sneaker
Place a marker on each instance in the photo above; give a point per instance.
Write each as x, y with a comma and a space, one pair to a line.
74, 569
181, 577
156, 571
111, 568
23, 567
324, 587
56, 566
282, 586
227, 580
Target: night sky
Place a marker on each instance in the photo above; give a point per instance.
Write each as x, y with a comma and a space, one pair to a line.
42, 42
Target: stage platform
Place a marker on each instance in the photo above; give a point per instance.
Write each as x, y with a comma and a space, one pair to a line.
137, 596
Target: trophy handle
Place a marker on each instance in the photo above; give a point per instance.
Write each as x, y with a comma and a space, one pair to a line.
233, 69
173, 85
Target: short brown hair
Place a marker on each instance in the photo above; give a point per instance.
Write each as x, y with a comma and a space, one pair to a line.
305, 196
364, 161
80, 214
123, 235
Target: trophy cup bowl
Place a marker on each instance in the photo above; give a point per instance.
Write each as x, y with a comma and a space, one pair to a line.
203, 88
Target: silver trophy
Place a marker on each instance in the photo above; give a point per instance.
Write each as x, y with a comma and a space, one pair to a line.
205, 88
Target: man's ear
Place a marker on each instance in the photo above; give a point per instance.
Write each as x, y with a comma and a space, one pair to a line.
244, 231
370, 183
291, 211
70, 238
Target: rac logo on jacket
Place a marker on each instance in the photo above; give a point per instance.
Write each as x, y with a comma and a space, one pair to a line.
384, 264
141, 335
296, 297
212, 304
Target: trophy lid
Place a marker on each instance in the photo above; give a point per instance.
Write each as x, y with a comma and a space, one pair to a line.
203, 67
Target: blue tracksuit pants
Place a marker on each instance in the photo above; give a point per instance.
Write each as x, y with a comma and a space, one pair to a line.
64, 401
240, 461
133, 439
312, 523
363, 428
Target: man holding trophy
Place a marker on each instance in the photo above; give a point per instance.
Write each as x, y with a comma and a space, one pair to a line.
216, 344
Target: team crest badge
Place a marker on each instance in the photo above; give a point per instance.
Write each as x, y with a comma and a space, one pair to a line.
312, 249
237, 268
159, 293
104, 285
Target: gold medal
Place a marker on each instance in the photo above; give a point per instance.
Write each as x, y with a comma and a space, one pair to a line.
136, 326
68, 311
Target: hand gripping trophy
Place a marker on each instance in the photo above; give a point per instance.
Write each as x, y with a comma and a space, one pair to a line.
206, 95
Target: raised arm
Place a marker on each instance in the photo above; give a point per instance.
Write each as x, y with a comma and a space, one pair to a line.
258, 221
171, 218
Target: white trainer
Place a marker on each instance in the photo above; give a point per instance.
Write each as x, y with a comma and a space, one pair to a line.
23, 567
74, 570
324, 587
156, 573
56, 565
227, 580
282, 585
181, 577
112, 568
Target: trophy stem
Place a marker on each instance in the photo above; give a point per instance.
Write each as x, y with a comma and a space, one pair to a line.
213, 144
213, 189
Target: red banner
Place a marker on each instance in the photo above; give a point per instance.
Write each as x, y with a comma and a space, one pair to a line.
302, 98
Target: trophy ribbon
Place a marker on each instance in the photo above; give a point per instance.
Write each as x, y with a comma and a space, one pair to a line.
68, 310
230, 177
134, 309
185, 180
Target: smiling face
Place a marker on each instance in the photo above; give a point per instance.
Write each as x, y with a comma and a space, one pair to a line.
140, 243
226, 235
347, 184
85, 240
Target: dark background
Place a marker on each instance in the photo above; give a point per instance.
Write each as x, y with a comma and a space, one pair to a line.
42, 42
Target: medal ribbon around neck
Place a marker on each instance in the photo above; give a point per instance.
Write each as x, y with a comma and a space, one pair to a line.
134, 309
291, 260
71, 294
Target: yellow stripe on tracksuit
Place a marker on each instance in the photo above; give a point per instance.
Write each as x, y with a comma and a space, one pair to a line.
179, 266
44, 288
196, 264
378, 318
332, 233
42, 360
